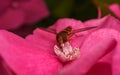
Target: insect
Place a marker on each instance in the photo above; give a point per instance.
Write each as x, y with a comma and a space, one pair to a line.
64, 35
64, 50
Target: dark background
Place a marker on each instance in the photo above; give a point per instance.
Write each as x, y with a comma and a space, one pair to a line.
77, 9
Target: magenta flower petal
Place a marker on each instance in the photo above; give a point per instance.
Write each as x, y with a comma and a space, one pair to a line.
4, 68
25, 58
17, 19
116, 62
41, 39
101, 68
115, 8
92, 52
4, 4
99, 13
65, 22
34, 10
22, 12
106, 22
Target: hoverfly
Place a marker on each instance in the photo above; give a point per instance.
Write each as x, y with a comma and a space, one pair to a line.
65, 51
64, 35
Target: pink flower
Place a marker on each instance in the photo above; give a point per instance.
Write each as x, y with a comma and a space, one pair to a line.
34, 55
115, 8
14, 13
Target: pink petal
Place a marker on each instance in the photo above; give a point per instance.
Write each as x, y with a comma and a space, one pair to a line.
101, 68
4, 4
105, 22
94, 47
34, 10
43, 39
116, 60
11, 19
99, 12
115, 8
25, 58
96, 22
4, 69
65, 22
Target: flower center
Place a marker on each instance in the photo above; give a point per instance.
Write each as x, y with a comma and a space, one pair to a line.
66, 52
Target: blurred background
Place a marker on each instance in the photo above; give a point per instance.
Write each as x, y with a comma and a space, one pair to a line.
77, 9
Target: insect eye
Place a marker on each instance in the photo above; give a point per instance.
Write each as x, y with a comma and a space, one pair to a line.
69, 33
69, 28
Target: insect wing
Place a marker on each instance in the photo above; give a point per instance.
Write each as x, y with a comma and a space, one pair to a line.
50, 30
83, 29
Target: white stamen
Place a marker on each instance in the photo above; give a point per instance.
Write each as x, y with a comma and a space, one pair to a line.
66, 53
